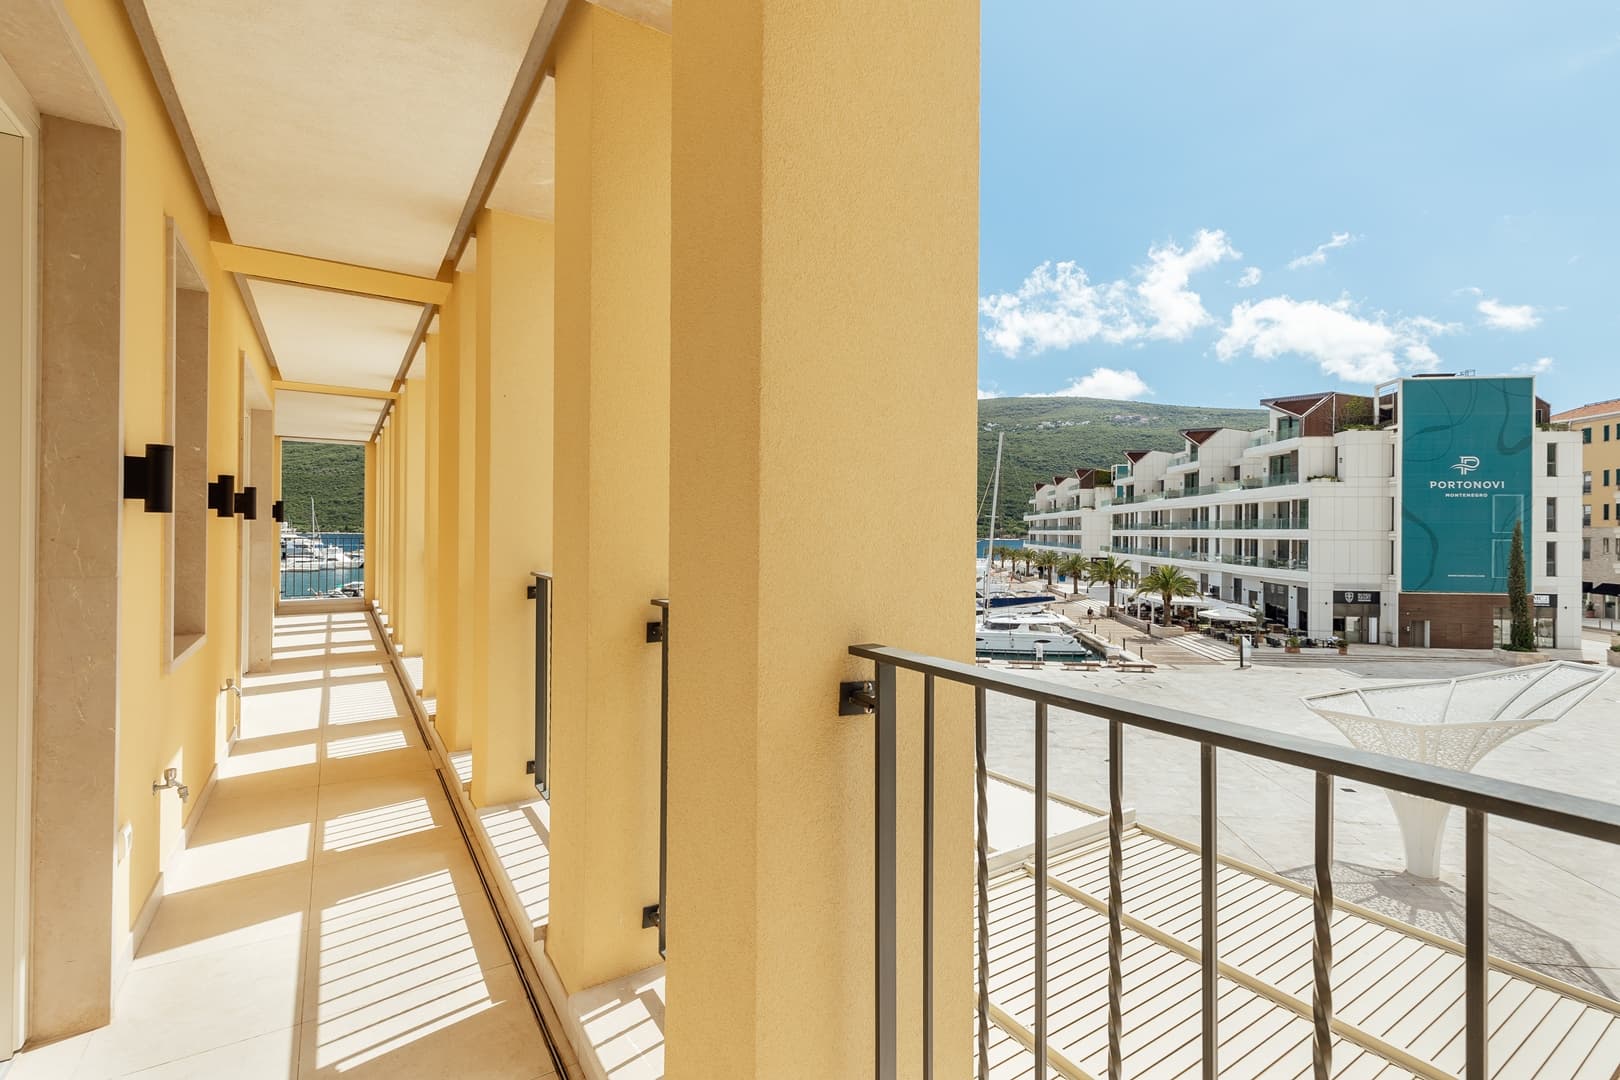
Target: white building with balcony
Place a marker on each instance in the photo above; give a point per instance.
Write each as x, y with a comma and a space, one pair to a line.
1071, 513
1305, 519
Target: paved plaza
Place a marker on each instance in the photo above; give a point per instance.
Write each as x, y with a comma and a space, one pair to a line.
1555, 899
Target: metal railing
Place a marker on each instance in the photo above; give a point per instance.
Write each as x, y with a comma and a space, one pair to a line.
540, 593
1221, 525
1479, 796
658, 914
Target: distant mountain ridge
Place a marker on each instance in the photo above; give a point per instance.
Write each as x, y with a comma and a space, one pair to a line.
334, 475
1053, 436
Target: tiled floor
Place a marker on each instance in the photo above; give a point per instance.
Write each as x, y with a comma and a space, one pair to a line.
326, 919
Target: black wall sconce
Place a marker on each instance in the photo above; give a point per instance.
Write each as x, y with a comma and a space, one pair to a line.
220, 495
278, 510
247, 503
150, 478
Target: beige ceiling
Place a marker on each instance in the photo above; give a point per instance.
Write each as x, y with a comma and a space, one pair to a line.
345, 131
333, 338
39, 42
326, 416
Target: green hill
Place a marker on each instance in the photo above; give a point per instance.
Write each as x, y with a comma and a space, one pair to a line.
1047, 437
334, 474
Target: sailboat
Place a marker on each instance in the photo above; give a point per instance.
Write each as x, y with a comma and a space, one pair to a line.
987, 599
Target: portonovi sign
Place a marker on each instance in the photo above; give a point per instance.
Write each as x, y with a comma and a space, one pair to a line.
1465, 481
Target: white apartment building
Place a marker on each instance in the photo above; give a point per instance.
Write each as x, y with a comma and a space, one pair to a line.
1071, 515
1305, 520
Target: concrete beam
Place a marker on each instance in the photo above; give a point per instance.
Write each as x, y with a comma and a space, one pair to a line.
325, 274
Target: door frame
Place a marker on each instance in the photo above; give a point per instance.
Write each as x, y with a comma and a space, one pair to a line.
19, 366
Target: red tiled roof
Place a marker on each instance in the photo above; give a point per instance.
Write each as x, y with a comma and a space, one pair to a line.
1596, 408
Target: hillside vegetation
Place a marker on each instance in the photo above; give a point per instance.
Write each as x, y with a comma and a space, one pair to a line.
1048, 437
334, 474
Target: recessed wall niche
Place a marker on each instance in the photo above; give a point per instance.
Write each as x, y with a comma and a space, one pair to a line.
187, 405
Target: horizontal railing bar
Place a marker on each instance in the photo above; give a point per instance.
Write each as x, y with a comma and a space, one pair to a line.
662, 602
540, 574
1501, 798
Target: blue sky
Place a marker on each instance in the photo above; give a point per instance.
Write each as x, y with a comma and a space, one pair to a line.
1199, 203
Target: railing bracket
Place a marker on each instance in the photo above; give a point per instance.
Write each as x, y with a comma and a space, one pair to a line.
655, 632
857, 698
650, 916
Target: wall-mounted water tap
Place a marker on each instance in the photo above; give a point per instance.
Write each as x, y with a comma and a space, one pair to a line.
171, 779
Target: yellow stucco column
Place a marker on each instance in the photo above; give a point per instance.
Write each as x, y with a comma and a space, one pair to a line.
823, 356
470, 691
430, 519
447, 718
413, 406
397, 522
612, 499
512, 496
374, 550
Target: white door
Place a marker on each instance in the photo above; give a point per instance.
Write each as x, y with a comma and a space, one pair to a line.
17, 488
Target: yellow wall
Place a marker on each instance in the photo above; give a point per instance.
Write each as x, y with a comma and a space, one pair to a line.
611, 476
824, 276
1596, 456
167, 718
512, 519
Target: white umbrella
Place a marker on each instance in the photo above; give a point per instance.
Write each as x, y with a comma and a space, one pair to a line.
1226, 615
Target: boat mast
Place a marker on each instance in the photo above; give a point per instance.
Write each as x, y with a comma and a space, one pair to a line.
995, 497
314, 529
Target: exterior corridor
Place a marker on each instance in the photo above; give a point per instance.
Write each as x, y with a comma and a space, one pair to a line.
325, 918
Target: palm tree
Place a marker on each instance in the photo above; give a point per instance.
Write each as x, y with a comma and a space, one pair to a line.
1169, 583
1003, 553
1074, 567
1113, 573
1046, 560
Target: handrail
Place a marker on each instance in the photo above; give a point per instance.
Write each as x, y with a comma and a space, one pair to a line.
1478, 796
1591, 818
660, 915
540, 593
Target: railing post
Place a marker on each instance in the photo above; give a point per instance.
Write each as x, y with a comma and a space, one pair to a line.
1040, 887
1116, 900
928, 881
1322, 942
886, 893
1476, 948
981, 741
1209, 835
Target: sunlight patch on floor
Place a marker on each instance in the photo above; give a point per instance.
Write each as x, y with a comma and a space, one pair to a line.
377, 825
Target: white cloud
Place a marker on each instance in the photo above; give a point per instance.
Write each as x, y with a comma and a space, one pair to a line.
1500, 316
1250, 278
1319, 256
1105, 382
1175, 309
1539, 366
983, 393
1342, 342
1058, 306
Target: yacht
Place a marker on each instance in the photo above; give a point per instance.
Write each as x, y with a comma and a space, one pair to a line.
1047, 634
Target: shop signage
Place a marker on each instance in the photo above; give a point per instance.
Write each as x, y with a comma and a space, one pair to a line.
1356, 596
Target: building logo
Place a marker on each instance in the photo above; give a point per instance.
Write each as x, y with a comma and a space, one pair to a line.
1466, 464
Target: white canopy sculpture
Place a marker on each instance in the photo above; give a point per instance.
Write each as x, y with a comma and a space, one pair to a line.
1453, 723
